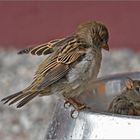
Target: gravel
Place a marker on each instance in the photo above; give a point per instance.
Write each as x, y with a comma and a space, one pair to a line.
16, 72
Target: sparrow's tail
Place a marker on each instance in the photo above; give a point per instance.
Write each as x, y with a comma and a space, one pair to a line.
22, 97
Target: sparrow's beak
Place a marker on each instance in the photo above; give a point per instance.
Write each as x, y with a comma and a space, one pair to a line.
105, 46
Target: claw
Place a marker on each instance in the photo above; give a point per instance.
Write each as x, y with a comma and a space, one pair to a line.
77, 106
73, 114
67, 104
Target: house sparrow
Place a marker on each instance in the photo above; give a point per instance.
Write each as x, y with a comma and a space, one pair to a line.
128, 102
72, 62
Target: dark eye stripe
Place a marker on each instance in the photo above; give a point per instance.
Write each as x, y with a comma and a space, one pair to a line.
137, 89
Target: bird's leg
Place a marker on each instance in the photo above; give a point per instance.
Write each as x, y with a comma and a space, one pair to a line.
77, 105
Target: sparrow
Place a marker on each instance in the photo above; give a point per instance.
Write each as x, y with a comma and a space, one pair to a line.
128, 102
72, 61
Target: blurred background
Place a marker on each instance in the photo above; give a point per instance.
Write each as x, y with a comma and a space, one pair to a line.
24, 24
28, 23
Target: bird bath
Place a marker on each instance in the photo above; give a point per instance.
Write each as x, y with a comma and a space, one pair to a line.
95, 123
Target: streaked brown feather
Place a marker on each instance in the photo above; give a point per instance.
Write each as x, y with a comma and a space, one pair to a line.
45, 48
42, 49
17, 98
27, 99
53, 75
10, 97
57, 65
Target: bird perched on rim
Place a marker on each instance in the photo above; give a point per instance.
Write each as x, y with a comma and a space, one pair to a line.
72, 62
128, 102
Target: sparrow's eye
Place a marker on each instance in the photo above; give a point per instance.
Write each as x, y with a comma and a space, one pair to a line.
137, 89
102, 40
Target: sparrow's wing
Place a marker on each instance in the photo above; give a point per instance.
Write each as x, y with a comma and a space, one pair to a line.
42, 49
45, 48
121, 105
60, 64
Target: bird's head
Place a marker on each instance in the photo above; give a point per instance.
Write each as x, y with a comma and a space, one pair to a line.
94, 33
132, 85
132, 91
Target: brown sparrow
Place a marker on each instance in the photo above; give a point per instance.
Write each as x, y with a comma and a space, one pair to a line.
72, 62
128, 102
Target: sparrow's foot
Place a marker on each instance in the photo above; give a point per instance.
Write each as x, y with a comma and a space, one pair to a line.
67, 104
77, 106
